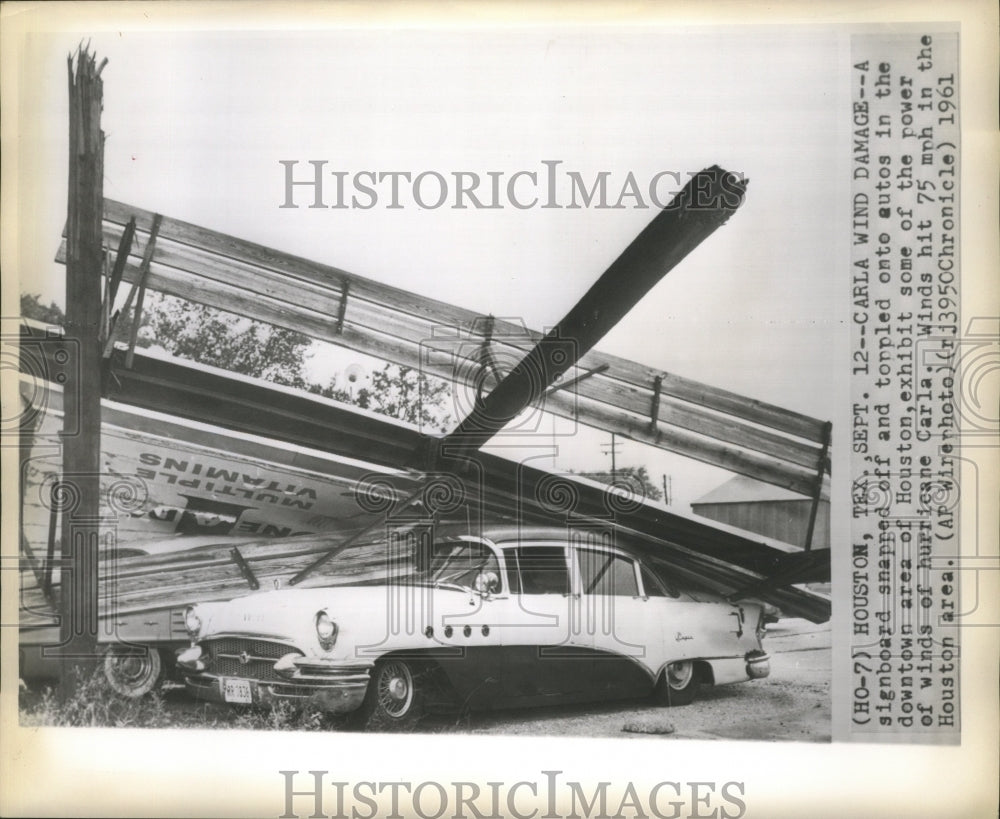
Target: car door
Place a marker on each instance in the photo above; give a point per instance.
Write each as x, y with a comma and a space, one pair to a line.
545, 653
622, 627
470, 605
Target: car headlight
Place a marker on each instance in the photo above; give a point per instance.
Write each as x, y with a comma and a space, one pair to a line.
326, 630
192, 622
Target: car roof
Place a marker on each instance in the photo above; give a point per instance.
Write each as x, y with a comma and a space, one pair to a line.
505, 533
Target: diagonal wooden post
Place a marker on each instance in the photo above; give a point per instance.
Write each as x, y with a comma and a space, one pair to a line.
79, 488
817, 494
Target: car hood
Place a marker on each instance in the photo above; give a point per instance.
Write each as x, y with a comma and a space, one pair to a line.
289, 614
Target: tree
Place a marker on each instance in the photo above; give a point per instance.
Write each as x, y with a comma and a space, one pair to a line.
231, 342
242, 345
638, 476
225, 340
31, 307
409, 395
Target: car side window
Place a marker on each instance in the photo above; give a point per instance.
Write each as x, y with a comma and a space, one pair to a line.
467, 564
606, 573
653, 587
537, 569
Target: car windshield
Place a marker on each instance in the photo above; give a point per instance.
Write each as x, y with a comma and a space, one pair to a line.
463, 563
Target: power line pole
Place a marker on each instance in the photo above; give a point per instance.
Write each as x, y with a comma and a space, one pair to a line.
612, 449
668, 484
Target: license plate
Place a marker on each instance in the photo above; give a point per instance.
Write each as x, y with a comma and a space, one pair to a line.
237, 691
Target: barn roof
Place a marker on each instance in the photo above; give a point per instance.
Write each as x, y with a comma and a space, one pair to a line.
741, 489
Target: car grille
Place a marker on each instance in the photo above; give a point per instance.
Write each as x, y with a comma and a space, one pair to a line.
250, 659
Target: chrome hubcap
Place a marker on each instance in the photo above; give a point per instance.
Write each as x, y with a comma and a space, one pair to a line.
679, 674
130, 669
395, 689
131, 674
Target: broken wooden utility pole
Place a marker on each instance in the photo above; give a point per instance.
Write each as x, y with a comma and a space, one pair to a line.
78, 491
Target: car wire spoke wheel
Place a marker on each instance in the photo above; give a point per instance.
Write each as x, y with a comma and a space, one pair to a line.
132, 672
395, 688
395, 697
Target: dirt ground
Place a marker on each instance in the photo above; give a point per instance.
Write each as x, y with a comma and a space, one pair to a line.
792, 704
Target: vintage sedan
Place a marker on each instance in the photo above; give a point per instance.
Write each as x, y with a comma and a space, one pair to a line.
505, 617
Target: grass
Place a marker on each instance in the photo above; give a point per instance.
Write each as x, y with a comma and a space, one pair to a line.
94, 704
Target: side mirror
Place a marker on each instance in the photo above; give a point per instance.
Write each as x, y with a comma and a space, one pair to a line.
487, 583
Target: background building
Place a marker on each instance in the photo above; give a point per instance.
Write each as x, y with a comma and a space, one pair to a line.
767, 510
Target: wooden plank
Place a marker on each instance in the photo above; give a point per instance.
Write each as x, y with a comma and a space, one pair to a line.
441, 313
601, 386
124, 243
732, 433
176, 587
710, 398
293, 292
663, 244
369, 312
671, 412
157, 565
206, 593
512, 487
684, 442
670, 436
267, 570
201, 558
279, 413
821, 469
138, 285
147, 257
233, 299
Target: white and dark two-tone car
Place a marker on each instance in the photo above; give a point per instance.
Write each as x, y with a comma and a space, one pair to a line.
508, 617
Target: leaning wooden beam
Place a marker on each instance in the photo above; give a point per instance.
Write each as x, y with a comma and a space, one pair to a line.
140, 297
121, 257
821, 469
666, 241
138, 285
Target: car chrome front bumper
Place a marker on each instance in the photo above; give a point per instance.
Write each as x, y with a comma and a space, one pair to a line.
332, 686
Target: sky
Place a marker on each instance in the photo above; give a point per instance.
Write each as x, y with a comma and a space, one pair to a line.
198, 123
